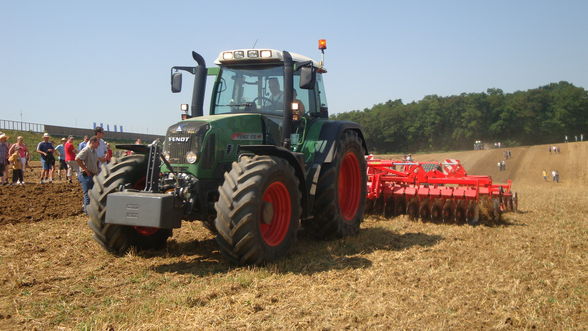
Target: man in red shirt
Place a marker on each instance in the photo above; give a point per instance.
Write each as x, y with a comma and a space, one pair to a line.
70, 158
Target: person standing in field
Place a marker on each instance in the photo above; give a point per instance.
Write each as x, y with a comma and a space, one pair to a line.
544, 175
83, 143
45, 149
22, 150
4, 149
62, 167
101, 150
17, 177
70, 159
87, 160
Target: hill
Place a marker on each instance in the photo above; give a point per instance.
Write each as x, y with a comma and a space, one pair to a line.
526, 164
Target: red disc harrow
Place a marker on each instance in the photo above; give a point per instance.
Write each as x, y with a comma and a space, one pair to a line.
435, 191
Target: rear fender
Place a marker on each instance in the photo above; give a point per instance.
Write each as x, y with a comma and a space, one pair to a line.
331, 132
296, 160
139, 149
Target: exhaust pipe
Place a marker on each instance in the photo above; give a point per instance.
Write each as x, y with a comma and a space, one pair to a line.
199, 86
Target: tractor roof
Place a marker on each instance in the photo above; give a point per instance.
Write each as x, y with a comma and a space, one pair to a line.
255, 55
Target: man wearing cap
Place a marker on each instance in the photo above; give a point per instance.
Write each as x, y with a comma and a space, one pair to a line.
61, 158
87, 160
46, 149
102, 149
4, 147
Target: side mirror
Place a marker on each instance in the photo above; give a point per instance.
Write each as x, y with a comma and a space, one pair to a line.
176, 82
307, 77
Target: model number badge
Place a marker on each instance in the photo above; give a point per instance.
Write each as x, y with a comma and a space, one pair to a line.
246, 136
178, 139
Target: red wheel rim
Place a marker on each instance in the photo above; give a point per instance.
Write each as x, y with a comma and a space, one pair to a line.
349, 186
277, 198
145, 231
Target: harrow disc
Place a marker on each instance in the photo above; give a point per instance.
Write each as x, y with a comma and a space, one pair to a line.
389, 207
424, 210
473, 213
437, 210
399, 206
378, 206
495, 213
412, 209
460, 212
448, 211
369, 205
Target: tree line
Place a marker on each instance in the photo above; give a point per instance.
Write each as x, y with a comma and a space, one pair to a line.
536, 116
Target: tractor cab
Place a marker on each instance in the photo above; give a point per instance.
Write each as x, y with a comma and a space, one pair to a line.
256, 84
285, 89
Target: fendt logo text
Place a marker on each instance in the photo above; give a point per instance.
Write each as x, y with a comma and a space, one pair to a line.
178, 139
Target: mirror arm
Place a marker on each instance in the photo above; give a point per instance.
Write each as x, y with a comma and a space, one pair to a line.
191, 70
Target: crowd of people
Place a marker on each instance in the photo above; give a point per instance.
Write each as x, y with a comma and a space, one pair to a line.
576, 138
64, 161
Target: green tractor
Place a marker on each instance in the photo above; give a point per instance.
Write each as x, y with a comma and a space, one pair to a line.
265, 162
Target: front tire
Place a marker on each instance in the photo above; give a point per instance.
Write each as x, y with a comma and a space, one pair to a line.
341, 191
128, 171
258, 210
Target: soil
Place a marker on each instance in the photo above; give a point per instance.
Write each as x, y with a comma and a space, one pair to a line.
529, 272
34, 202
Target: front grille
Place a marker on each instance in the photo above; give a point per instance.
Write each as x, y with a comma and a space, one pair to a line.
182, 138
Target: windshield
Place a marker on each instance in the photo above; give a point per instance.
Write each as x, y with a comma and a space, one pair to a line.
250, 89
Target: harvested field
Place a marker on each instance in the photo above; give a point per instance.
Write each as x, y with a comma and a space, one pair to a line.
529, 272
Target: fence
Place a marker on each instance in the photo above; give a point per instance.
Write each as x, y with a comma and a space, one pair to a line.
64, 131
21, 126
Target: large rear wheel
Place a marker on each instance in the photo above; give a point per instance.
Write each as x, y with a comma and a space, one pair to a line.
127, 172
258, 210
341, 191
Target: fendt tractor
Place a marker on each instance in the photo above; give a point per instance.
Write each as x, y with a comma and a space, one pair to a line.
265, 162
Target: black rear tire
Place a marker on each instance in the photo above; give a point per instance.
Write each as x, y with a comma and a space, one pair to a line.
341, 191
118, 239
258, 210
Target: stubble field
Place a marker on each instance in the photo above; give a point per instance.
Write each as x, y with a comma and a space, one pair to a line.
528, 272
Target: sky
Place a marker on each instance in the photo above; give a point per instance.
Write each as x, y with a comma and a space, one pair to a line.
73, 63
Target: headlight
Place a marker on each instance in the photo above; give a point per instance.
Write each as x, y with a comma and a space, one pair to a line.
191, 157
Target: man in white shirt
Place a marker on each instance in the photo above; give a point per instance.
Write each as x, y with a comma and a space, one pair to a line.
102, 148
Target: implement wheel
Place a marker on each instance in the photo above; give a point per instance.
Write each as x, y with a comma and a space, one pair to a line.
341, 190
258, 210
128, 172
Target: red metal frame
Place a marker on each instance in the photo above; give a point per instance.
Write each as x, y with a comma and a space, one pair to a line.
440, 180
